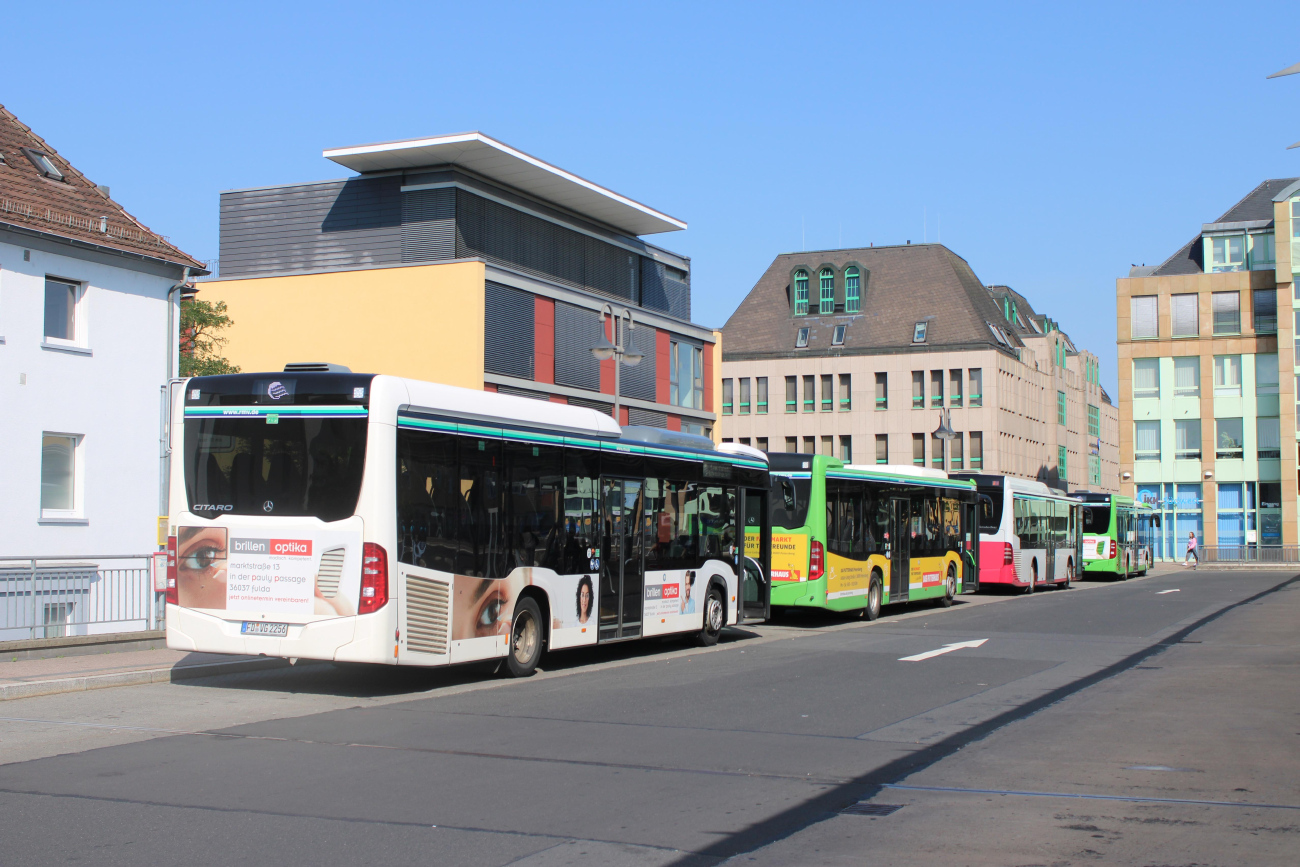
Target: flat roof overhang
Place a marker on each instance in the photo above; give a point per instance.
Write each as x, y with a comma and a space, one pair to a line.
513, 168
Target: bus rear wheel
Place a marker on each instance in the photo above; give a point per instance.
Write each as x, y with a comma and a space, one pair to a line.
715, 617
525, 639
949, 588
874, 594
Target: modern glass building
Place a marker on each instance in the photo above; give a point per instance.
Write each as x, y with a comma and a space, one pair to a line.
1202, 352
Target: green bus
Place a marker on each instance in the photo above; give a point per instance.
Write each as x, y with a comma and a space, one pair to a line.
1118, 534
847, 537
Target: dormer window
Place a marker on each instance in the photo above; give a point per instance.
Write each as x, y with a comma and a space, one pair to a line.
918, 332
827, 280
801, 293
837, 338
1227, 253
43, 163
801, 340
852, 290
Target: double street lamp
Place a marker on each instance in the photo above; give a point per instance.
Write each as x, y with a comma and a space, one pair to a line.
945, 433
605, 350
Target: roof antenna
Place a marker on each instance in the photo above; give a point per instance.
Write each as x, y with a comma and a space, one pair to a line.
925, 225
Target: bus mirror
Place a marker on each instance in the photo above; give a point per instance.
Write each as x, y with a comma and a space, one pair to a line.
1155, 519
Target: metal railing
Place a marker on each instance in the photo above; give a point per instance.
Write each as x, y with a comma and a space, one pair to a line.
55, 597
1249, 553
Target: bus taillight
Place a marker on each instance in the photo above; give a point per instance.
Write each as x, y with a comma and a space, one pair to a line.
1008, 554
815, 561
173, 593
374, 578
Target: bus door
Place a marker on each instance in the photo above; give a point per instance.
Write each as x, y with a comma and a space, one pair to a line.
622, 579
970, 543
755, 556
900, 553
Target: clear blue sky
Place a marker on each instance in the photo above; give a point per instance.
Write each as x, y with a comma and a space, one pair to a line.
1054, 147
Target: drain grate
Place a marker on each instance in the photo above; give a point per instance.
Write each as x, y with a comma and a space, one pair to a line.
862, 808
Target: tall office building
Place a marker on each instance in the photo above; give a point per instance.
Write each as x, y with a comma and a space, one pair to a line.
854, 353
1207, 432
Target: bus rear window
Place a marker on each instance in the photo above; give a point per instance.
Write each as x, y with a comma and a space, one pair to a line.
298, 467
789, 502
1096, 519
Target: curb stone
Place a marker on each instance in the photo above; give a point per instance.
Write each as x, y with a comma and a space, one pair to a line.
34, 688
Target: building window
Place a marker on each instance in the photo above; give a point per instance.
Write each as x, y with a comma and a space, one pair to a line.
918, 389
61, 300
918, 449
846, 392
1184, 316
1062, 471
1264, 302
1094, 470
792, 444
954, 387
828, 392
1227, 253
882, 391
810, 445
918, 332
936, 452
976, 450
60, 476
882, 448
852, 291
744, 441
1227, 375
1266, 373
760, 443
761, 383
1094, 421
976, 386
801, 339
957, 458
1146, 378
1262, 255
1187, 439
809, 393
936, 389
1061, 408
846, 449
800, 293
1227, 312
828, 446
791, 393
726, 397
1187, 376
744, 395
43, 163
1146, 441
1144, 322
686, 375
827, 280
1268, 439
837, 336
1229, 442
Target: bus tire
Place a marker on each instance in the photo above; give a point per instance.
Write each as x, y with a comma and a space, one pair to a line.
949, 587
525, 648
875, 591
715, 617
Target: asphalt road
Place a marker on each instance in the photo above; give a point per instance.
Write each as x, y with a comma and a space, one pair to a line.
1035, 747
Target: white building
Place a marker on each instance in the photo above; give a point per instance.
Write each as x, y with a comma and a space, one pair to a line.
89, 305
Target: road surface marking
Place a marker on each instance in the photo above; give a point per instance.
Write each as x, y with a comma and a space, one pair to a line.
947, 648
1163, 592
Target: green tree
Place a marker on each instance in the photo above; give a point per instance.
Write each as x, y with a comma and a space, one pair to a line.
201, 340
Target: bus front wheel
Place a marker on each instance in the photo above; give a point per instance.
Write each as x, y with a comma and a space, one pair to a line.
715, 615
949, 588
525, 639
874, 593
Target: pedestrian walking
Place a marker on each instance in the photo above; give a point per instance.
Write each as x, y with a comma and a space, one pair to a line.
1192, 558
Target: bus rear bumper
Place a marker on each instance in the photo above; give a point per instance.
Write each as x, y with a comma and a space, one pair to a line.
205, 633
1000, 574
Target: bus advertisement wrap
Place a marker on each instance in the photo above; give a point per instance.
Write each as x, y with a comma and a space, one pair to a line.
789, 557
846, 577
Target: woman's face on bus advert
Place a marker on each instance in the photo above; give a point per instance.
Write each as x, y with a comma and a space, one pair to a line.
201, 567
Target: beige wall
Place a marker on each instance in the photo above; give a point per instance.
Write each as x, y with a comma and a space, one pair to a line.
423, 322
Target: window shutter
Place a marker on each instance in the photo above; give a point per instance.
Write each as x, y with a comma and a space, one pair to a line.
1145, 323
1183, 312
509, 331
1269, 431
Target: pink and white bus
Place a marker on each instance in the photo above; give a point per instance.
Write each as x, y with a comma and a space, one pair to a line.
1029, 533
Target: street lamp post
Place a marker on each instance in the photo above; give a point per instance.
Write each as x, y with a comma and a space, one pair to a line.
945, 433
604, 350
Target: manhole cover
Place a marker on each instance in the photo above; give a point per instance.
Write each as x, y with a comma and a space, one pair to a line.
865, 809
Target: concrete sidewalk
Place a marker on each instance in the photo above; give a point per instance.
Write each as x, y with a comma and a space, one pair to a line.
22, 678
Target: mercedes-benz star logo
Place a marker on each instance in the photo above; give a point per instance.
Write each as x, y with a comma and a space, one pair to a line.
268, 506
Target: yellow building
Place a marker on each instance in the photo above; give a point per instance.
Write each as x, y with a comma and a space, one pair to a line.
461, 260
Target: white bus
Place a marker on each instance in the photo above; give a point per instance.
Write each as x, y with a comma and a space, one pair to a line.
322, 514
1029, 533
